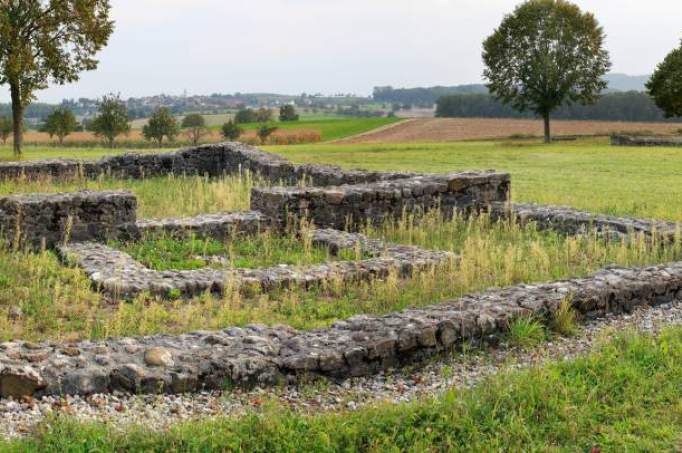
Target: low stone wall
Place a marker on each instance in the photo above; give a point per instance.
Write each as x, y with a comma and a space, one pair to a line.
49, 219
220, 226
358, 346
117, 274
351, 205
573, 222
629, 140
211, 160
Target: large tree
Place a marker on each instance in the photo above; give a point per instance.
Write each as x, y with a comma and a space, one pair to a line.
546, 53
665, 85
42, 40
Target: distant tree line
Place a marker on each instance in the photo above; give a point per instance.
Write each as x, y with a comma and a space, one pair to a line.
626, 106
422, 97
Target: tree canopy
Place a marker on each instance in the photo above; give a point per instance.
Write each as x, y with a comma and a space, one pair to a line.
194, 125
288, 113
546, 53
161, 124
111, 120
231, 130
61, 122
43, 40
665, 85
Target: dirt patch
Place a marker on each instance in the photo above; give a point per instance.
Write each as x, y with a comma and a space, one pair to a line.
452, 129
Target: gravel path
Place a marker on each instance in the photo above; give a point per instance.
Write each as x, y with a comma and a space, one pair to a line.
17, 418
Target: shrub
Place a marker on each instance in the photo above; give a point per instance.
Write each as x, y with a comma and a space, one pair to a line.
288, 113
231, 130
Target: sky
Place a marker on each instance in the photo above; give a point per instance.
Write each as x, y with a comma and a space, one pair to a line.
332, 46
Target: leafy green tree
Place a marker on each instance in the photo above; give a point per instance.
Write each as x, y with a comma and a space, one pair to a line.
263, 115
544, 54
288, 113
264, 132
6, 128
111, 120
232, 131
161, 124
195, 127
244, 116
665, 85
43, 40
61, 122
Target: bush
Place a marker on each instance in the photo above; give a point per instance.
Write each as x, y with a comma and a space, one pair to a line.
288, 113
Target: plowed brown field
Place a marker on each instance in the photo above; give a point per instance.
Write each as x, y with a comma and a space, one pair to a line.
452, 129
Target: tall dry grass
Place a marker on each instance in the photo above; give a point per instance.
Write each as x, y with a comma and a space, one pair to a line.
57, 302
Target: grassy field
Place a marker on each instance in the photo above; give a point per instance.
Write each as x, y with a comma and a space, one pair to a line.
586, 174
262, 250
623, 397
333, 129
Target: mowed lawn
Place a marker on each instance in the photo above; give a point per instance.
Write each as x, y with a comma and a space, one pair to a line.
587, 174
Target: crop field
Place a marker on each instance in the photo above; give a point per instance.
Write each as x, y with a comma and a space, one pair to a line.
453, 129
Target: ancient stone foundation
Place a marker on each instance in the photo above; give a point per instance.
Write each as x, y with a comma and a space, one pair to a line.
337, 199
117, 274
629, 140
573, 222
358, 346
49, 219
352, 205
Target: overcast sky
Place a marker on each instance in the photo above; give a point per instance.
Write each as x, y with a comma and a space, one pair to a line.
331, 46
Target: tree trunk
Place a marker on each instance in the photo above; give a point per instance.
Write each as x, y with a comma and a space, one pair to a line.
548, 135
17, 117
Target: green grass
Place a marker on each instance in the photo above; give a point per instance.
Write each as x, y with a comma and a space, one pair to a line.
334, 128
262, 250
625, 396
586, 174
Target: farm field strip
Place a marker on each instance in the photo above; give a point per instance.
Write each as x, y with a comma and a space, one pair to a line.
426, 130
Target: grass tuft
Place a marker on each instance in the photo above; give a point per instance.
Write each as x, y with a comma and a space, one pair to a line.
526, 332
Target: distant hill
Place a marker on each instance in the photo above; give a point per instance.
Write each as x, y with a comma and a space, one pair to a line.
624, 82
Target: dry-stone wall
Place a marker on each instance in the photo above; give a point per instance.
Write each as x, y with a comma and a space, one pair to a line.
37, 219
357, 346
211, 160
630, 140
347, 206
118, 274
219, 226
573, 222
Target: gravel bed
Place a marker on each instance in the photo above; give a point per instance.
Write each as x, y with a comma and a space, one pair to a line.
18, 418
